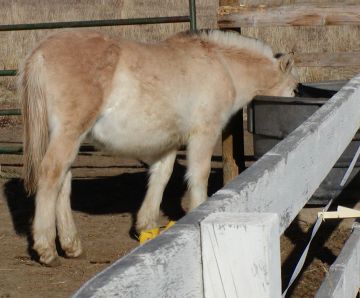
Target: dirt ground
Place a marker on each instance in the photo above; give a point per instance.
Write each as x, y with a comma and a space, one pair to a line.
107, 192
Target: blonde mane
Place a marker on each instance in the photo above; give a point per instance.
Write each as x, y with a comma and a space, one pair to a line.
233, 39
227, 40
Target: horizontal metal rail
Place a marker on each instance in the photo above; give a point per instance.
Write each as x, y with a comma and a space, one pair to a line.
191, 18
8, 72
10, 112
96, 23
16, 149
11, 150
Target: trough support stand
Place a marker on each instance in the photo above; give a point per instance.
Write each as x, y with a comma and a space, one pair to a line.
241, 255
233, 143
233, 148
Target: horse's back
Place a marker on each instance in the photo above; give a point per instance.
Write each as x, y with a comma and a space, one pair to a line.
134, 97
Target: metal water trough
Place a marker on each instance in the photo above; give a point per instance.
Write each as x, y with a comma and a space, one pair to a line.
271, 119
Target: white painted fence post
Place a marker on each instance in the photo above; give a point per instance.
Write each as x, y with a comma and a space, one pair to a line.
241, 255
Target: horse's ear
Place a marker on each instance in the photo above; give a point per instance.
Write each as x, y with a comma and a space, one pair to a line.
286, 62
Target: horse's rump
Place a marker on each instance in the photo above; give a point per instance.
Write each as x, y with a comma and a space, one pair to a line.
63, 80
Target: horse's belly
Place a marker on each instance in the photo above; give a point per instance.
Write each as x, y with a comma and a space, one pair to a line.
134, 136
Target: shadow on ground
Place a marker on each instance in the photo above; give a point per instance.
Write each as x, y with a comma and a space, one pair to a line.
105, 195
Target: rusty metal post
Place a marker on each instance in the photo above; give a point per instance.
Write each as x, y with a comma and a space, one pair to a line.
233, 144
192, 14
233, 148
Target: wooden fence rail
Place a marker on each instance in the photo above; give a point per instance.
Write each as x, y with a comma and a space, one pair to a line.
339, 59
309, 14
281, 182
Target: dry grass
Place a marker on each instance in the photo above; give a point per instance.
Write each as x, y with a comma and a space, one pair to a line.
313, 40
15, 45
309, 40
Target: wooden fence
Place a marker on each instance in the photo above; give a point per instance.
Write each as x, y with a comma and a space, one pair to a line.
189, 260
309, 14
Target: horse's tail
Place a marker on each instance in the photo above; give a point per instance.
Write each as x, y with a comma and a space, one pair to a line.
35, 119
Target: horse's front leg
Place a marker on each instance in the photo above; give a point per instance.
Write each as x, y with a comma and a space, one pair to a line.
160, 172
199, 152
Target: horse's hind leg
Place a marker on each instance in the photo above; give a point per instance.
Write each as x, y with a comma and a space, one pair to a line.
68, 236
160, 173
60, 154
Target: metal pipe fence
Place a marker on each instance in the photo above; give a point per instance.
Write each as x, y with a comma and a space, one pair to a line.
191, 18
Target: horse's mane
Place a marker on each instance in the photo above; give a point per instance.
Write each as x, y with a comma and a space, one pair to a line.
228, 40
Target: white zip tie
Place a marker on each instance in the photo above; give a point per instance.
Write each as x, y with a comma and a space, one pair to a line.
342, 212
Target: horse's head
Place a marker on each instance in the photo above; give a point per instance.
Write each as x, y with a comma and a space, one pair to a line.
284, 81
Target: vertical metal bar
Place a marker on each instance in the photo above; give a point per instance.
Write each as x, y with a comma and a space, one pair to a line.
251, 117
192, 12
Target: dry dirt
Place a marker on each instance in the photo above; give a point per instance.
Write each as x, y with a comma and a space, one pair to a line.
107, 192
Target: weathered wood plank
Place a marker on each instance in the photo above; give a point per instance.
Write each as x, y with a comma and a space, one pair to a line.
230, 169
169, 266
233, 148
327, 59
233, 267
343, 278
310, 14
249, 2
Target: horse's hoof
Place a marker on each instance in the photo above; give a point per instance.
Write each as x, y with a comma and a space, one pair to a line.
148, 235
55, 262
74, 254
47, 255
73, 249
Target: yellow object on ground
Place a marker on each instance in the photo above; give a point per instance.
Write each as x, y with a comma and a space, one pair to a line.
169, 225
148, 235
153, 233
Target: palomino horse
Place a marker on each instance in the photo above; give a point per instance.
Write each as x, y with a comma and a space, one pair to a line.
139, 100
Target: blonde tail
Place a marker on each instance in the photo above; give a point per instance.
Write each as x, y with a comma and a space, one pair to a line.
35, 119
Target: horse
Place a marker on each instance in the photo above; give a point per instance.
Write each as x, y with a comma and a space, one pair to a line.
139, 100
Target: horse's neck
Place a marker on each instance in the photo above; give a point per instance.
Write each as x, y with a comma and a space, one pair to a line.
247, 79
